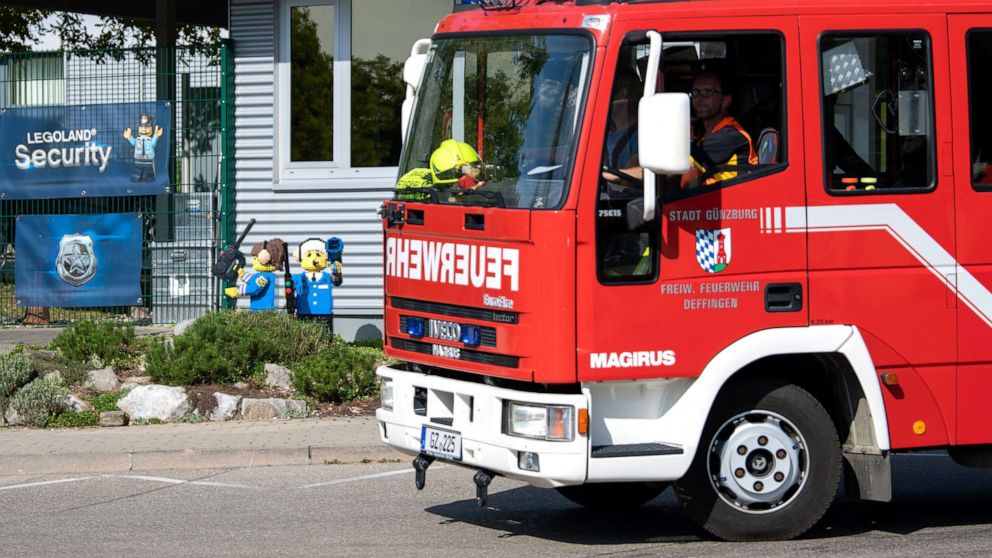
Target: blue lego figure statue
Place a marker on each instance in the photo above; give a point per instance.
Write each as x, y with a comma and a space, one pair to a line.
144, 148
259, 284
314, 298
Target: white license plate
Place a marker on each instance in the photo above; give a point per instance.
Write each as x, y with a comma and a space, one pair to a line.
441, 443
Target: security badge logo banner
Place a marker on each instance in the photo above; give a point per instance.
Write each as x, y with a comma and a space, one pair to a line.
76, 263
713, 249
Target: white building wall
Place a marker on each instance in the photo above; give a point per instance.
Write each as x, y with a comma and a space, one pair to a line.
346, 210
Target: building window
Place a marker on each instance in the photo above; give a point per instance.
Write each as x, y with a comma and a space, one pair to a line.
340, 84
311, 71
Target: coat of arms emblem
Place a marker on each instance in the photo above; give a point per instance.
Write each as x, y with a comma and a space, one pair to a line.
713, 249
76, 262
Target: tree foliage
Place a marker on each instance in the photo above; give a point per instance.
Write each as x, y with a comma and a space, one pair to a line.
20, 28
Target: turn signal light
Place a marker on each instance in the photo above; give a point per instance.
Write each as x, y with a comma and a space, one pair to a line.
583, 422
890, 378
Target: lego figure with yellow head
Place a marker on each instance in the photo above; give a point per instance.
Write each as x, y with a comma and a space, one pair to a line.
144, 148
314, 300
259, 283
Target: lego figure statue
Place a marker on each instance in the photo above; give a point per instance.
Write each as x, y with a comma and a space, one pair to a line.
259, 284
314, 300
144, 148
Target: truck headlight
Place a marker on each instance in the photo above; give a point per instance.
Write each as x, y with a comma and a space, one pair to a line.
544, 422
386, 393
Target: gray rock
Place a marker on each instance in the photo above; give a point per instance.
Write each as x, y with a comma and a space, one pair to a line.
227, 406
182, 326
135, 381
12, 417
113, 418
240, 385
76, 404
103, 380
278, 377
263, 409
167, 404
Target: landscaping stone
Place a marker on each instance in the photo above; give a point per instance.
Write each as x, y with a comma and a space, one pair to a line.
263, 409
73, 403
113, 418
103, 380
12, 417
227, 406
182, 326
240, 385
278, 377
135, 381
165, 403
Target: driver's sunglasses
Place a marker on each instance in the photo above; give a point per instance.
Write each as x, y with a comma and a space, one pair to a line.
705, 93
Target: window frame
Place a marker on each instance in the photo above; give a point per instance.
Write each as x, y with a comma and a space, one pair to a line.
971, 119
783, 131
313, 175
932, 151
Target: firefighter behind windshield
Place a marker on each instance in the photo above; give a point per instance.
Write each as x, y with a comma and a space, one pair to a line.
455, 168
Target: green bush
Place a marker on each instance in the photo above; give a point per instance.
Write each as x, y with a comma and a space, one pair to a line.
339, 373
102, 343
44, 362
108, 401
75, 420
372, 343
227, 347
15, 372
39, 401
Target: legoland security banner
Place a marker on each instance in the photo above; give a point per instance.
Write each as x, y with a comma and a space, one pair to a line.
119, 149
73, 261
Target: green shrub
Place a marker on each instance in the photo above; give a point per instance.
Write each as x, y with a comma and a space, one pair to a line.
39, 401
227, 347
339, 373
15, 372
108, 401
44, 362
105, 343
75, 420
371, 343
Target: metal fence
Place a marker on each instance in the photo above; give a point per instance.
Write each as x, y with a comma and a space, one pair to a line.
182, 230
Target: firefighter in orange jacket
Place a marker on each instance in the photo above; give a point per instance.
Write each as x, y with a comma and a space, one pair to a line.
725, 150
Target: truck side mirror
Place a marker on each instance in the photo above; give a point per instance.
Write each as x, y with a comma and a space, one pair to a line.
664, 133
413, 71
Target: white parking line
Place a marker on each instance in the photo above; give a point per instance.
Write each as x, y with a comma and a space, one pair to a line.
181, 481
30, 484
366, 477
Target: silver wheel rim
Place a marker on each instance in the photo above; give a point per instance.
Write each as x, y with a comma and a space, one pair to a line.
758, 462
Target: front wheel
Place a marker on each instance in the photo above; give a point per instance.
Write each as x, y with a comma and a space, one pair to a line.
767, 467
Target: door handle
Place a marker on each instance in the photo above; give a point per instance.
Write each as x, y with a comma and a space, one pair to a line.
783, 297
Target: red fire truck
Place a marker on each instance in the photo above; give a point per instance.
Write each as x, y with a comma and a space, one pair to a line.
582, 319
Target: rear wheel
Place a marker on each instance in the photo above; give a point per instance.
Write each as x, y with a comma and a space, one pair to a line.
767, 467
613, 495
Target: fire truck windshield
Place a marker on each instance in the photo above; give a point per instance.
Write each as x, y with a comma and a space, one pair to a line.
496, 121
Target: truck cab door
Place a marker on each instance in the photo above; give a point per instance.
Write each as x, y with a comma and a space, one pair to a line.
970, 41
881, 205
719, 261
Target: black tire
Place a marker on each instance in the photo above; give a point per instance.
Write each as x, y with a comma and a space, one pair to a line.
738, 505
612, 495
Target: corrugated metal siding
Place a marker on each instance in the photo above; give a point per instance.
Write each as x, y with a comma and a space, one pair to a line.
295, 216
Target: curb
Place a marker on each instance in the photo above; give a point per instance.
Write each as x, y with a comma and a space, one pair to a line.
124, 462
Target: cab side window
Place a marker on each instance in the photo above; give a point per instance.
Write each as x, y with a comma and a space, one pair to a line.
626, 246
979, 43
877, 99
